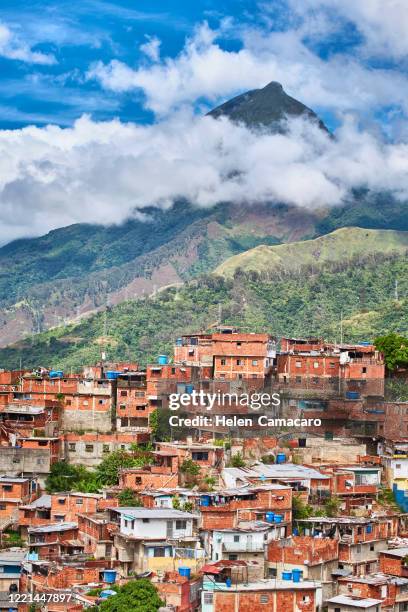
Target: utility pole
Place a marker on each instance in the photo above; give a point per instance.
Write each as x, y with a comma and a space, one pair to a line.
396, 290
341, 327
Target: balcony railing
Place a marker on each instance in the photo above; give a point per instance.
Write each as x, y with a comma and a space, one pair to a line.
243, 546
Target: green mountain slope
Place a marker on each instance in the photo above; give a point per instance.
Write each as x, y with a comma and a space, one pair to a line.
340, 246
75, 271
310, 300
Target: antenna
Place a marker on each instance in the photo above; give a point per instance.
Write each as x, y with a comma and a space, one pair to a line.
219, 314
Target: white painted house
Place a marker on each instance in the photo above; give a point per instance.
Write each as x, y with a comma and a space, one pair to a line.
155, 523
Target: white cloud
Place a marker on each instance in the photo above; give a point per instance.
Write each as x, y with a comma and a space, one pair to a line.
106, 172
151, 48
12, 47
383, 25
204, 69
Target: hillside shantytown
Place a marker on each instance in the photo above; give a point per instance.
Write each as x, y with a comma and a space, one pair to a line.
101, 498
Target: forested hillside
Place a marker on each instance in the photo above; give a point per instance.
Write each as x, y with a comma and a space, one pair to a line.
310, 300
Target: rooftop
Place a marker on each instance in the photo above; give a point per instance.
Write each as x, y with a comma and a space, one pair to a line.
357, 602
55, 527
153, 513
396, 552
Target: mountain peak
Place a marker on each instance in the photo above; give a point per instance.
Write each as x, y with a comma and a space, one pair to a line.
268, 106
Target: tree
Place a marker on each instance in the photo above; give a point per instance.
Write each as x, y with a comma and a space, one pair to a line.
108, 470
128, 497
62, 477
332, 506
394, 349
66, 477
135, 596
237, 460
300, 510
190, 467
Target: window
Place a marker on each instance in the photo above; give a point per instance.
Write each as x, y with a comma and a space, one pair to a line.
254, 362
298, 364
68, 402
272, 573
42, 443
208, 598
145, 520
173, 370
232, 557
139, 394
105, 448
298, 379
315, 364
123, 447
85, 402
159, 551
72, 447
122, 406
263, 599
101, 401
138, 480
236, 538
337, 609
398, 466
79, 501
223, 362
239, 343
332, 364
3, 506
180, 524
364, 370
89, 448
61, 501
358, 550
199, 456
7, 487
123, 393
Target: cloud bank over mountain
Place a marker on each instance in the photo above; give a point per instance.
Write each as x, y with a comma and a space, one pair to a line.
105, 172
342, 58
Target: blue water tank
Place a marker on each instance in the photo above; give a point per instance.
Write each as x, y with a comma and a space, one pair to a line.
112, 374
189, 389
162, 360
369, 529
270, 516
109, 576
185, 571
297, 575
228, 582
204, 500
296, 532
278, 518
280, 458
179, 342
56, 374
286, 575
352, 395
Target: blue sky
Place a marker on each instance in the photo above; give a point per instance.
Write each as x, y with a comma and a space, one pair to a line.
59, 43
102, 105
77, 34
